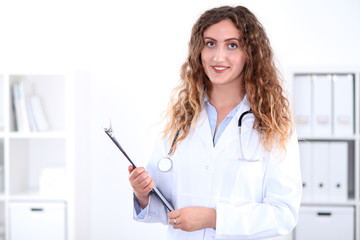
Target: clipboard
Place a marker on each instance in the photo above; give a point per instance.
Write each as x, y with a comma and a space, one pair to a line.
155, 190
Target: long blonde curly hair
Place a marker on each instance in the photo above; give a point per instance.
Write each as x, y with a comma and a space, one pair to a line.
261, 81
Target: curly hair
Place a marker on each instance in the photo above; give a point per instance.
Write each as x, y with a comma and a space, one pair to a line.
261, 81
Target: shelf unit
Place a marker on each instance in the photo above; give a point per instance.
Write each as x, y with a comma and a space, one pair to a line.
352, 139
27, 158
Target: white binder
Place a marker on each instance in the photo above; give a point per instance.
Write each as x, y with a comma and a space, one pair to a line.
320, 163
343, 86
338, 171
322, 105
302, 101
2, 107
306, 170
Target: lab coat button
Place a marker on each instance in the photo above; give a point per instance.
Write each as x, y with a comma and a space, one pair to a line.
207, 167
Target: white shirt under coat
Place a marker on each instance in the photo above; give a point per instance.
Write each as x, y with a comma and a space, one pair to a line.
255, 199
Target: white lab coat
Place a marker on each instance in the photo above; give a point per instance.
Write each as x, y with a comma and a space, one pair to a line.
255, 199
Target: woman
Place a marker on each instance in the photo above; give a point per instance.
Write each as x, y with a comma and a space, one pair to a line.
226, 181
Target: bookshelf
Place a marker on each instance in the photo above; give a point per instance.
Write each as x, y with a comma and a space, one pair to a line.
351, 199
37, 163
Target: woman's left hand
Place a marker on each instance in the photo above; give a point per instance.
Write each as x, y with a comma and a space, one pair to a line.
193, 218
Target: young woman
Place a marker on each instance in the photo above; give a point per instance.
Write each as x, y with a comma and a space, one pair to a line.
229, 143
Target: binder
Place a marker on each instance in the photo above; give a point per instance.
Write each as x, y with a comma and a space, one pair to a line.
322, 105
302, 101
338, 171
320, 163
2, 107
306, 170
343, 94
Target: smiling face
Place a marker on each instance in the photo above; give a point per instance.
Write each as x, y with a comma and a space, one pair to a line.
222, 57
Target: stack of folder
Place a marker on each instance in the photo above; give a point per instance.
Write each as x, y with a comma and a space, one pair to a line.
324, 104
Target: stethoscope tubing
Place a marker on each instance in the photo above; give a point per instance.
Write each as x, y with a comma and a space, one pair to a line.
242, 116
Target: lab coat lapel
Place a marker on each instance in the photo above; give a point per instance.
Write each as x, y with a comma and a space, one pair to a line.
231, 132
203, 129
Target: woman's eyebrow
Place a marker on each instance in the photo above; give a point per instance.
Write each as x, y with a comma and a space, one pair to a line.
232, 39
226, 40
210, 38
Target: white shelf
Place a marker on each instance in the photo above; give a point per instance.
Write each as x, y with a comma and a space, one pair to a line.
34, 195
26, 156
38, 135
330, 203
335, 138
354, 139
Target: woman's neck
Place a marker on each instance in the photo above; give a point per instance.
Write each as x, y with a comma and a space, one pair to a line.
223, 97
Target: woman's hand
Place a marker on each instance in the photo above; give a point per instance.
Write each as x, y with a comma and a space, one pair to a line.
141, 183
193, 218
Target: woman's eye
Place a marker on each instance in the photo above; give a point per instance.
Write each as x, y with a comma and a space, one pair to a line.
210, 44
232, 45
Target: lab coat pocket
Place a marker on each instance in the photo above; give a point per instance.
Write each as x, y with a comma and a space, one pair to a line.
242, 159
249, 153
246, 162
245, 168
244, 179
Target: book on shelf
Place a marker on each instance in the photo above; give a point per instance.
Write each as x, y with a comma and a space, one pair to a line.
28, 111
38, 121
20, 109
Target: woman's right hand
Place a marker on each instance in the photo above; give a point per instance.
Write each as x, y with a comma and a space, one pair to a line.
142, 184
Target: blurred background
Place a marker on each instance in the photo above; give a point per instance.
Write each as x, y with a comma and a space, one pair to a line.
123, 58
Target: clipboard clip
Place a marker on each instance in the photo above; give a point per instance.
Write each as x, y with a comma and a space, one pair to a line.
109, 132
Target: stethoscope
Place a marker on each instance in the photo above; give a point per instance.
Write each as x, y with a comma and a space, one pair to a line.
244, 158
165, 164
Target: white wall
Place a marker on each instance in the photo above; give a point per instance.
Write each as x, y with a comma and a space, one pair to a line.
134, 51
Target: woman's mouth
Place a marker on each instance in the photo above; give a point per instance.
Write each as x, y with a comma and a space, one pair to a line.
219, 69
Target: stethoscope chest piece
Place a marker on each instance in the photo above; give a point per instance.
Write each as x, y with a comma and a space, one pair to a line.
165, 164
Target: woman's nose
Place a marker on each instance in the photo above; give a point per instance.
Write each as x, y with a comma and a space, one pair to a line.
219, 55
